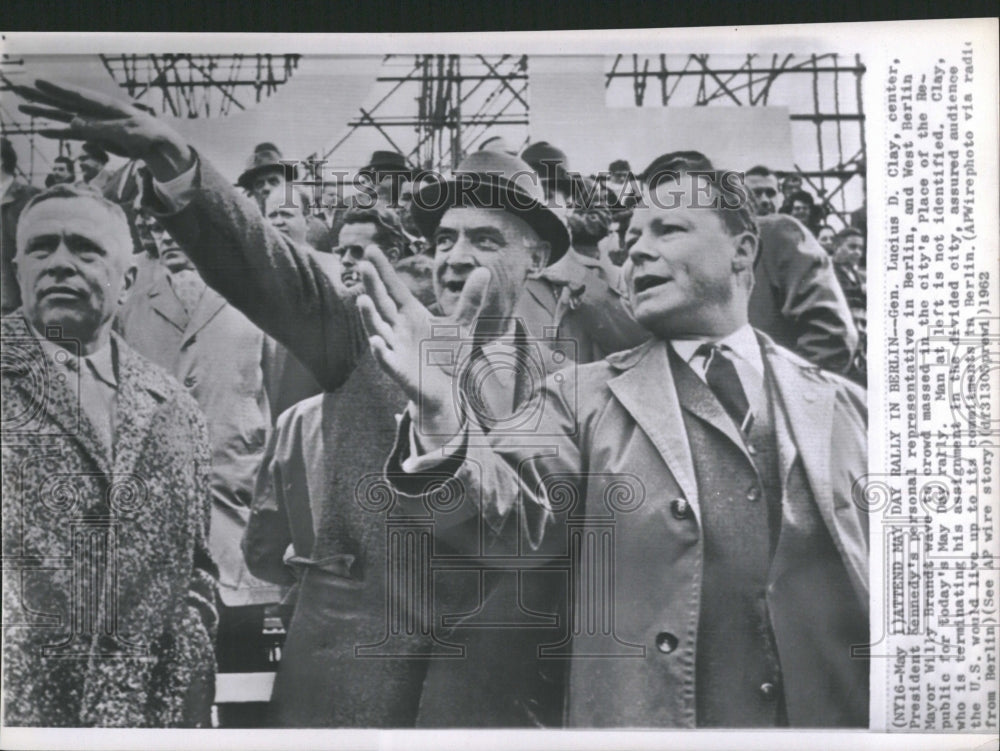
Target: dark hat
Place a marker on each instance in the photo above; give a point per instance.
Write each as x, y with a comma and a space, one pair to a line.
551, 165
492, 179
675, 162
265, 158
619, 165
387, 162
94, 151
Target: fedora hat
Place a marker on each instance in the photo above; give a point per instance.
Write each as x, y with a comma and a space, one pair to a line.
387, 162
265, 158
491, 179
551, 165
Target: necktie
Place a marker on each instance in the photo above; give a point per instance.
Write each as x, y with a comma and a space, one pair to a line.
722, 378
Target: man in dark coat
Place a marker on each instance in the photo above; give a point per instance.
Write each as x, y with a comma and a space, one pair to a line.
697, 489
109, 588
796, 299
286, 291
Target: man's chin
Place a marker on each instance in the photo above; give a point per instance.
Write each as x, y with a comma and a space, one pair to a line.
64, 323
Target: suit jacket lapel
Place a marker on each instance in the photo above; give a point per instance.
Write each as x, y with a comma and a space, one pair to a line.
208, 307
164, 301
646, 390
808, 405
697, 398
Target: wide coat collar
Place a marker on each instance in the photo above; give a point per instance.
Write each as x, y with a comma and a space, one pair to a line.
142, 387
808, 400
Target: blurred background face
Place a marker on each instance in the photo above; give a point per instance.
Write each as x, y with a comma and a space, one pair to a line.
89, 167
351, 244
332, 196
764, 191
60, 173
267, 183
288, 219
850, 251
73, 266
680, 267
825, 237
468, 238
802, 211
167, 249
791, 184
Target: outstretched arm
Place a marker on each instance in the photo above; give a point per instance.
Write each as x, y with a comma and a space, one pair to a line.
278, 285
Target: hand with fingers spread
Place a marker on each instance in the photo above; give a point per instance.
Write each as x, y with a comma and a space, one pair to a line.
398, 324
116, 125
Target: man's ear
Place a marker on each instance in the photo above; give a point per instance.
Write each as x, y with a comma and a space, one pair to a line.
392, 253
539, 258
746, 247
129, 278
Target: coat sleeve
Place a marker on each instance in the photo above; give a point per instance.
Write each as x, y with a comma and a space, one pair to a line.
278, 285
809, 295
268, 535
496, 494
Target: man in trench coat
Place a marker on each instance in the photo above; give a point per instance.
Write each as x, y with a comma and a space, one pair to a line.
697, 489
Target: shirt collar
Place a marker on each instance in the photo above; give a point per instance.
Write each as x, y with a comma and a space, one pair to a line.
742, 342
101, 361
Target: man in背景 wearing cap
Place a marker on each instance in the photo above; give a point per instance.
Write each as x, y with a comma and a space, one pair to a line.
487, 245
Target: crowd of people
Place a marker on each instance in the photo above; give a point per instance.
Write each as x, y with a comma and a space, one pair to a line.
246, 354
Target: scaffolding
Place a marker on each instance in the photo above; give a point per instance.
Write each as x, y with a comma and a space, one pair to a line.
459, 101
823, 94
200, 85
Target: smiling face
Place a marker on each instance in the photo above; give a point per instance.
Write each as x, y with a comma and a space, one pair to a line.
686, 275
74, 267
61, 172
468, 238
802, 211
850, 250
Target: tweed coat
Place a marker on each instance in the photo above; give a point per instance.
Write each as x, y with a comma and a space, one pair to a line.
796, 299
137, 652
604, 456
221, 359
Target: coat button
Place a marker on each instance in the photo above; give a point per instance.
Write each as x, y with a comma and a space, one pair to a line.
751, 449
680, 508
190, 381
753, 494
768, 690
666, 642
